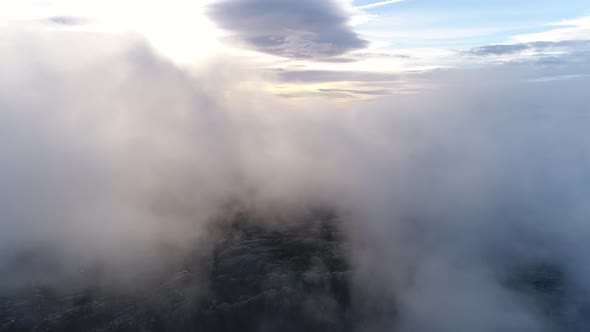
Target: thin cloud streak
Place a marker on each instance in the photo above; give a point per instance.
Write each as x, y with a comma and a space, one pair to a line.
378, 4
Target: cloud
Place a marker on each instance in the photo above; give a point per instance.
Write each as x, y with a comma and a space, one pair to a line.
381, 55
539, 46
67, 20
317, 76
559, 58
498, 49
378, 4
381, 92
303, 29
454, 202
577, 29
348, 94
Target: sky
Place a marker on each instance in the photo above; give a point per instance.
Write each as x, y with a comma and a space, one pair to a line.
338, 47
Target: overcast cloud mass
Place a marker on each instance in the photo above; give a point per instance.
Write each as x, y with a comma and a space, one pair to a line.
292, 29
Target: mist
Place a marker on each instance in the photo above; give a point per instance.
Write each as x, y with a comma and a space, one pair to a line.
446, 199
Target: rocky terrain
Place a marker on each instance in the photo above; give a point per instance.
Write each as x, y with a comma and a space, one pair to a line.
260, 277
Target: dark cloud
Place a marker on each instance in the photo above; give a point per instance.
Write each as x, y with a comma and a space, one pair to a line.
498, 49
67, 20
303, 29
338, 60
579, 59
342, 94
573, 62
376, 55
381, 92
324, 76
508, 49
306, 95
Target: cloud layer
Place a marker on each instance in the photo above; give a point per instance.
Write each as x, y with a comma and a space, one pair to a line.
113, 155
303, 29
540, 46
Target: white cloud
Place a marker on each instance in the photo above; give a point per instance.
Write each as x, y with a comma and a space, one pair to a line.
578, 29
377, 4
444, 194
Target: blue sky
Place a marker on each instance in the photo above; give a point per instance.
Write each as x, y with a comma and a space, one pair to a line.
467, 23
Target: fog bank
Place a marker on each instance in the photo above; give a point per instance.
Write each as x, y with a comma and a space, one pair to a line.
111, 155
